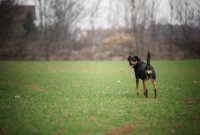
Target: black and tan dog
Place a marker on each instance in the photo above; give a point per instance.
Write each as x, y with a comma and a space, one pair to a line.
143, 71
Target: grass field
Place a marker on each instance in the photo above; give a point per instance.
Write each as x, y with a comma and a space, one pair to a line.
97, 98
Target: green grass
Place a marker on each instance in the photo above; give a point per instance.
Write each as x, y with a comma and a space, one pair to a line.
95, 98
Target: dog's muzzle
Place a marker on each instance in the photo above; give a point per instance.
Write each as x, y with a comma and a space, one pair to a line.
132, 64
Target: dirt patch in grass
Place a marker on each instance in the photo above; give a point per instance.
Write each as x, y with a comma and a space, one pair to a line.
5, 82
124, 130
3, 131
35, 88
189, 100
197, 119
177, 126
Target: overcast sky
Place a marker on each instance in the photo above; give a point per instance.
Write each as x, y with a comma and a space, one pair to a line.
102, 21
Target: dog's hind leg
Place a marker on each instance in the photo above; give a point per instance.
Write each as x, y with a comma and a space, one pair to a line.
137, 85
145, 88
154, 85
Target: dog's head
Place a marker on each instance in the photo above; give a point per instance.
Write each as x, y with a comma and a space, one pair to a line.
133, 60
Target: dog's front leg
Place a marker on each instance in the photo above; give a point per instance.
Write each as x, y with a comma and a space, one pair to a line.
137, 85
145, 88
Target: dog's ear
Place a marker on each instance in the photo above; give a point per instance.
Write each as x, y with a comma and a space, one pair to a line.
128, 58
138, 59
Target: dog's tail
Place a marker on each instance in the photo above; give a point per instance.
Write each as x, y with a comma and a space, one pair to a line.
148, 61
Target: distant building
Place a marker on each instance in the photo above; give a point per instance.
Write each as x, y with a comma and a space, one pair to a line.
82, 35
96, 35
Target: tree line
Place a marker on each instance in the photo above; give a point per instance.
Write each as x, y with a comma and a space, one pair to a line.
54, 35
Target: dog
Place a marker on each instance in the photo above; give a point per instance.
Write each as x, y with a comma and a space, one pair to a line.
143, 71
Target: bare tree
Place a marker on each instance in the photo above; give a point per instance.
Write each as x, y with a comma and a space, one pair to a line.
93, 15
126, 17
138, 16
197, 3
153, 11
67, 14
44, 8
134, 17
40, 4
186, 16
56, 20
197, 8
132, 11
143, 20
171, 32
